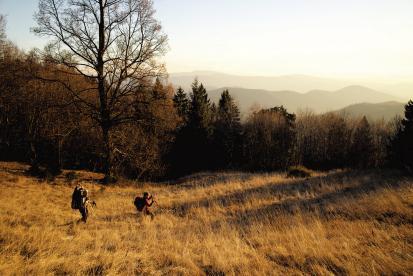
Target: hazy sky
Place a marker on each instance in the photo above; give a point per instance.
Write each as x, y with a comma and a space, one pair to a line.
271, 37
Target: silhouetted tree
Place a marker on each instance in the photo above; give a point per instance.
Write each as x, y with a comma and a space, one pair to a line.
181, 103
361, 152
337, 141
269, 139
200, 114
382, 132
402, 144
114, 44
308, 128
2, 34
142, 145
36, 116
227, 133
192, 150
199, 127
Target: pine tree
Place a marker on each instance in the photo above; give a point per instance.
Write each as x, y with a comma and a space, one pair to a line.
192, 151
181, 103
362, 145
407, 122
336, 142
402, 149
228, 112
200, 114
227, 134
158, 90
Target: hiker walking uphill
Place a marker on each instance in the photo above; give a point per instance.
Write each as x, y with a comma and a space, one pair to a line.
144, 203
80, 201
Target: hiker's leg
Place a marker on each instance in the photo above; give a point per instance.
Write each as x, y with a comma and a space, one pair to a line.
149, 213
145, 210
86, 213
83, 212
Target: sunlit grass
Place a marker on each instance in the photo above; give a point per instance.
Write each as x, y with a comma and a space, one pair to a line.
339, 222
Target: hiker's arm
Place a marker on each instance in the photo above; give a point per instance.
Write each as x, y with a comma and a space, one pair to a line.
153, 200
149, 204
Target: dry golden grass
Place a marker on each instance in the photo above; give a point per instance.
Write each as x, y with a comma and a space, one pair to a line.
214, 224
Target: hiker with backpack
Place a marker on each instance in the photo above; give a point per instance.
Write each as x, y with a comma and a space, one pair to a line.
144, 203
80, 201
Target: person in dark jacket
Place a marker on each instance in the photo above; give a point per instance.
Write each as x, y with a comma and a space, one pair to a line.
144, 203
80, 201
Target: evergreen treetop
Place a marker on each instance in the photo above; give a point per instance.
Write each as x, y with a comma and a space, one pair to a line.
228, 112
200, 114
407, 122
181, 103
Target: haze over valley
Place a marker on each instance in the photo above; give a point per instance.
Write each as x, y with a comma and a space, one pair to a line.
300, 92
400, 88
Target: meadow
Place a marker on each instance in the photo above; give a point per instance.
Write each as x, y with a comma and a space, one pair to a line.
339, 222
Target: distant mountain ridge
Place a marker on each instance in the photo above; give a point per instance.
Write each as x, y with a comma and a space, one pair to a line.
316, 100
386, 110
214, 80
298, 82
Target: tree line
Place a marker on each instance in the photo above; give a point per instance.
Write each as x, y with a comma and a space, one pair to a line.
213, 137
97, 98
174, 133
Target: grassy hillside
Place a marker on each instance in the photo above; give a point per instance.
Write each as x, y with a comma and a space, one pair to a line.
338, 222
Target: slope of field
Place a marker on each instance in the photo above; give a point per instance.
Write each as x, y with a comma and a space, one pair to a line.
339, 222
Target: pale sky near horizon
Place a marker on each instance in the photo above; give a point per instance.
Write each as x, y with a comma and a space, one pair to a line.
271, 37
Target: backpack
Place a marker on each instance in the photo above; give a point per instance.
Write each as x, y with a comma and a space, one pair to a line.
77, 198
140, 203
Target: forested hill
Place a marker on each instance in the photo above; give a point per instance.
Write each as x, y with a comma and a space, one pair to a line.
386, 110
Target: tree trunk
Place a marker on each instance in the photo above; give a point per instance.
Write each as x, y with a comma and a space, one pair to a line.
105, 120
108, 162
34, 164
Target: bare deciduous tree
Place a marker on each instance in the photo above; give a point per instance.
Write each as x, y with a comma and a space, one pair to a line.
2, 27
114, 44
2, 35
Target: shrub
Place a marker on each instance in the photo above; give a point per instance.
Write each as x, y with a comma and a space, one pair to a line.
299, 171
71, 176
